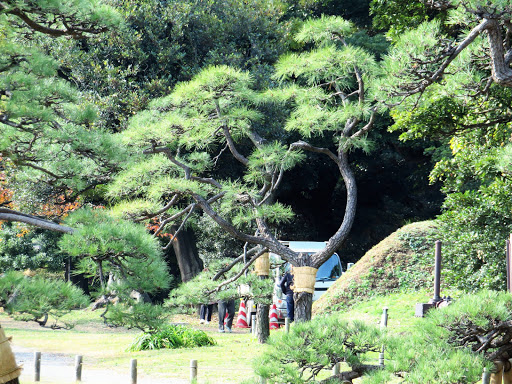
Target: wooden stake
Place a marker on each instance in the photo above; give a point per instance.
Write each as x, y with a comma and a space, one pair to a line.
133, 371
486, 377
78, 368
193, 371
37, 366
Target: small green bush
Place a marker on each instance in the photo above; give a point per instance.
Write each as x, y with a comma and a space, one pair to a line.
171, 337
38, 299
315, 346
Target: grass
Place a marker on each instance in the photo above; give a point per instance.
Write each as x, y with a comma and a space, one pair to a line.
388, 276
230, 361
227, 362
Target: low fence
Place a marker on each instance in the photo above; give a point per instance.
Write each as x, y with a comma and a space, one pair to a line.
133, 370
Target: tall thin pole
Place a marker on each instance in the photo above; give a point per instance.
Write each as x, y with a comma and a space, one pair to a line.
383, 325
437, 275
507, 256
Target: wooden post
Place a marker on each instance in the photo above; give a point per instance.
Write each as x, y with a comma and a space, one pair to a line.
509, 265
253, 324
383, 325
193, 371
486, 377
437, 273
37, 366
133, 371
287, 325
78, 368
336, 369
384, 318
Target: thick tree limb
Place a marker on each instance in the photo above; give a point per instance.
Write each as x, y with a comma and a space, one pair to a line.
429, 79
501, 71
232, 148
74, 31
270, 243
11, 215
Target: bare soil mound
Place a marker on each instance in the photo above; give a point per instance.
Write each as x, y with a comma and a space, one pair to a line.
402, 261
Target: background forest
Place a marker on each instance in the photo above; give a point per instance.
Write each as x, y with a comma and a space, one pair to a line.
89, 89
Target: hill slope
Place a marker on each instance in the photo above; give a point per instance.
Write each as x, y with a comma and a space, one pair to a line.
402, 261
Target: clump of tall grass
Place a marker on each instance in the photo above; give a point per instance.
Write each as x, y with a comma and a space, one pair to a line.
171, 337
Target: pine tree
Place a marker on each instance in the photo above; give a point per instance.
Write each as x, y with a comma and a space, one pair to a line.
186, 134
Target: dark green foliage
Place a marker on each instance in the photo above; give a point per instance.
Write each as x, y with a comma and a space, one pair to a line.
21, 249
171, 337
473, 170
162, 43
449, 339
395, 16
203, 289
451, 345
132, 314
356, 11
311, 347
105, 244
475, 227
37, 299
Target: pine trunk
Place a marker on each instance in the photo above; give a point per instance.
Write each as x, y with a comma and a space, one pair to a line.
77, 279
303, 300
186, 254
262, 323
303, 305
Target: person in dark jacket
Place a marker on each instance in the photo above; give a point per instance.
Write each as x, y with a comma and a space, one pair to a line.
286, 287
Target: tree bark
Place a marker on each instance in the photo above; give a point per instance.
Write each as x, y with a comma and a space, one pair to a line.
303, 305
184, 247
11, 215
501, 72
262, 323
303, 300
262, 320
77, 279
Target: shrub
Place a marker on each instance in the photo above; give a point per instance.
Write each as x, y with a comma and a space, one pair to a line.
132, 314
171, 337
310, 347
38, 299
451, 345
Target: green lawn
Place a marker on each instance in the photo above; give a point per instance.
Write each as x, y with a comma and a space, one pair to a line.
230, 361
227, 362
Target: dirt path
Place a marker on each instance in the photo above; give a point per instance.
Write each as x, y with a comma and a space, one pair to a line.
59, 368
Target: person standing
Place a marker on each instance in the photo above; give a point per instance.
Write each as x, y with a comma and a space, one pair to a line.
205, 313
226, 306
286, 287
